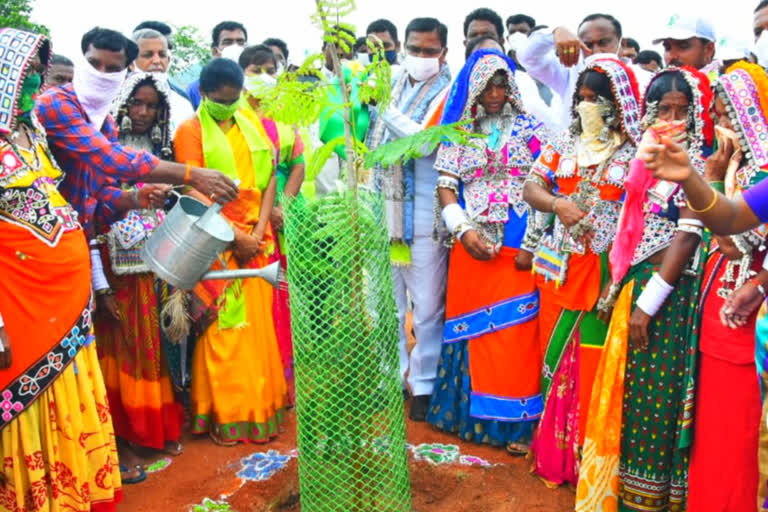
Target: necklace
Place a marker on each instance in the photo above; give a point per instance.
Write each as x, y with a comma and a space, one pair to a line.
33, 166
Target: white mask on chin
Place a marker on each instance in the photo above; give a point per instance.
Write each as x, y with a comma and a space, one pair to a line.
421, 68
96, 90
761, 49
232, 52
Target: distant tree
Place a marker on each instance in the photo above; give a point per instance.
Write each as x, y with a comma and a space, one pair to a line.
190, 49
16, 14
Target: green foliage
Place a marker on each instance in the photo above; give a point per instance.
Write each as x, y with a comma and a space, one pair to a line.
416, 146
16, 14
189, 49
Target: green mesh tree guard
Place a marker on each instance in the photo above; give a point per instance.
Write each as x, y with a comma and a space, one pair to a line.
349, 404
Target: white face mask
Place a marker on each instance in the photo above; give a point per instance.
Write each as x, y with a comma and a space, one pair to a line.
232, 52
96, 90
257, 85
761, 49
516, 41
364, 58
280, 69
421, 68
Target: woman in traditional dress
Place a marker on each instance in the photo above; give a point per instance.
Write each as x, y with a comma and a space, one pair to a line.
56, 438
238, 384
260, 66
636, 449
141, 397
579, 177
723, 474
487, 387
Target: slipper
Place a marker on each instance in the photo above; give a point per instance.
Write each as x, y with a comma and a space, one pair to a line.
221, 442
517, 449
135, 480
174, 449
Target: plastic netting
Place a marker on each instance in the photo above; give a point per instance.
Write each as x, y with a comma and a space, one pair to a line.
349, 403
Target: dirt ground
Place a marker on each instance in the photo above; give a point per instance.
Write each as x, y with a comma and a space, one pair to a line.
206, 470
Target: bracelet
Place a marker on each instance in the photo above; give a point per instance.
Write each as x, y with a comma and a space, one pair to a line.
105, 291
98, 279
136, 201
759, 286
454, 216
186, 174
693, 226
461, 229
656, 292
715, 197
552, 204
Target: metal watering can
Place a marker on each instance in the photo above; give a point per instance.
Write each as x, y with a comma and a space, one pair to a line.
183, 247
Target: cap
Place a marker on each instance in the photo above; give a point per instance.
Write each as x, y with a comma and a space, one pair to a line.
685, 26
732, 48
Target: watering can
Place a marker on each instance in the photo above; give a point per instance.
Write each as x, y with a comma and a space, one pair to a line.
183, 247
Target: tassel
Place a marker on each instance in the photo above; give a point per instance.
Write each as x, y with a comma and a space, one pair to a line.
157, 134
174, 319
126, 125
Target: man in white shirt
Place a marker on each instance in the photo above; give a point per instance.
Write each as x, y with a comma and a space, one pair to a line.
421, 268
557, 58
155, 57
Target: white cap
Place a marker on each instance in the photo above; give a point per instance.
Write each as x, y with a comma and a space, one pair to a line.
685, 26
733, 48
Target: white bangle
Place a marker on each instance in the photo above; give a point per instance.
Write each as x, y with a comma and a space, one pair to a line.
98, 279
2, 324
454, 216
690, 222
656, 292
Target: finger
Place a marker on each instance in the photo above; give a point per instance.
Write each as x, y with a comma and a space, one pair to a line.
585, 49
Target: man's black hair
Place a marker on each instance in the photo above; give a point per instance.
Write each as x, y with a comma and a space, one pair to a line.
61, 60
361, 43
161, 27
221, 72
473, 43
112, 40
383, 25
762, 5
257, 54
273, 41
484, 14
601, 16
428, 25
628, 41
517, 19
226, 25
648, 56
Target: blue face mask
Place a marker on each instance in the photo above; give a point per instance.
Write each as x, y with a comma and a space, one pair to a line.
391, 56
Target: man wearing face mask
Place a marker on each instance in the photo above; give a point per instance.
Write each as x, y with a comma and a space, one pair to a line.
83, 138
419, 268
154, 57
228, 40
385, 32
557, 57
280, 49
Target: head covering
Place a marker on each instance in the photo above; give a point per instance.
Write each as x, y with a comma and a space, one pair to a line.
17, 49
625, 92
472, 80
744, 90
163, 148
703, 126
686, 26
733, 48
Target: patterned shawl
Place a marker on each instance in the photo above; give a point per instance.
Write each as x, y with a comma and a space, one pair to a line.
17, 48
397, 183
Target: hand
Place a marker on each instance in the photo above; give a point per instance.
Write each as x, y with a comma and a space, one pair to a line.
638, 329
246, 246
740, 306
153, 195
5, 357
568, 47
668, 161
476, 246
524, 260
107, 305
605, 316
568, 213
276, 218
717, 163
728, 248
213, 184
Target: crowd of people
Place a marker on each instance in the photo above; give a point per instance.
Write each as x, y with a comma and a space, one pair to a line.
584, 279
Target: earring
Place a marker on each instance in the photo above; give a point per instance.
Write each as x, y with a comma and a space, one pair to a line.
157, 134
126, 125
480, 113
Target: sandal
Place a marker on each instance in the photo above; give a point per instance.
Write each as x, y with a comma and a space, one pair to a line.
142, 475
221, 442
173, 448
518, 449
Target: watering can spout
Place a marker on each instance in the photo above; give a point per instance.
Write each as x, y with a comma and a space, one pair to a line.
270, 273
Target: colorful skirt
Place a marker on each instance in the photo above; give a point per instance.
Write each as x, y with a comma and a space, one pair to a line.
573, 349
238, 383
488, 381
141, 397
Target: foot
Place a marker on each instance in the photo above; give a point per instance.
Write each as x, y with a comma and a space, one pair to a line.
221, 442
173, 448
132, 474
518, 449
419, 408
